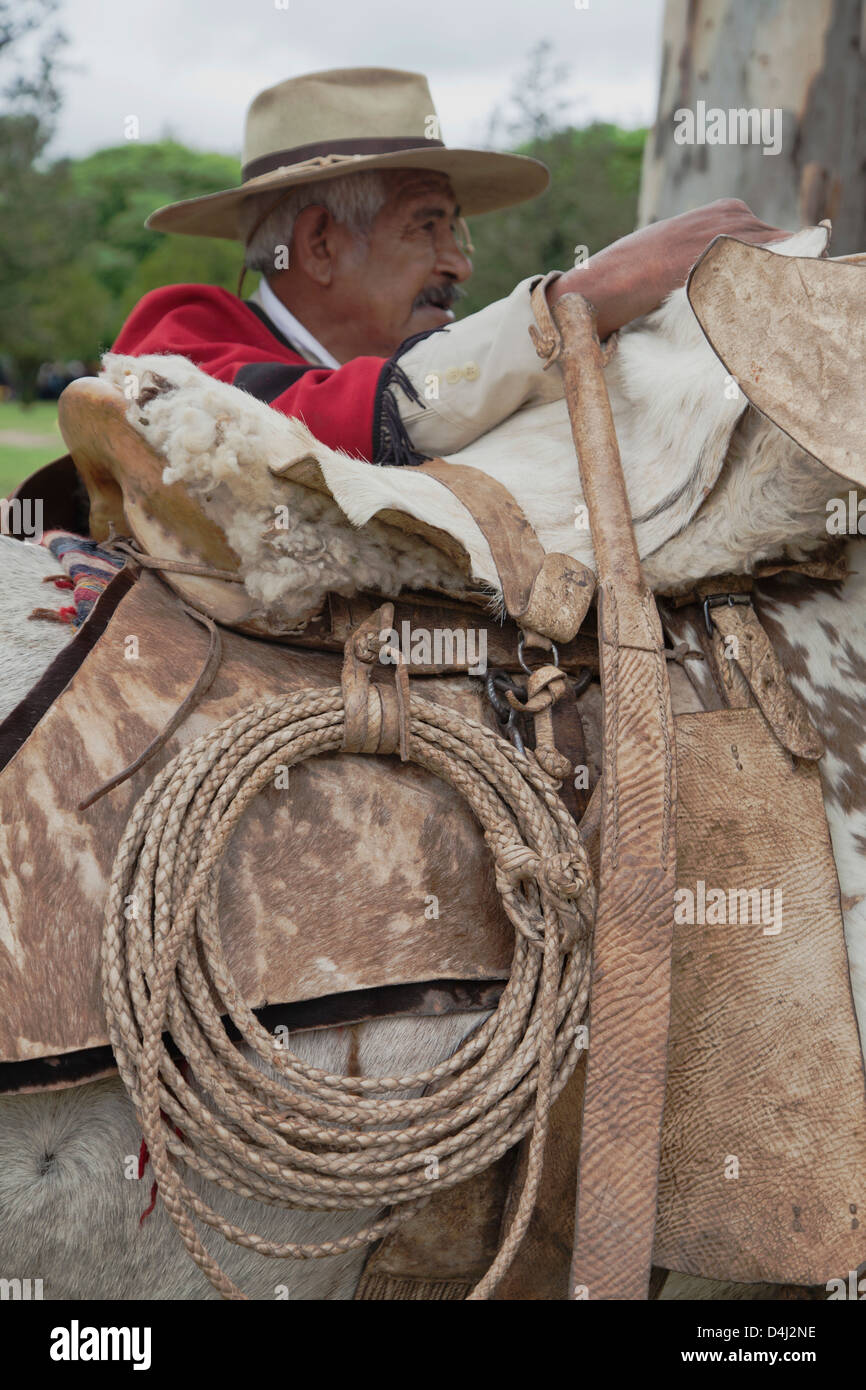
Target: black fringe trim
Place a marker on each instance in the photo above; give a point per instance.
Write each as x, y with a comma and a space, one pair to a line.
392, 446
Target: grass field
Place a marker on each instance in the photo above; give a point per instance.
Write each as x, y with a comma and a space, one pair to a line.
29, 437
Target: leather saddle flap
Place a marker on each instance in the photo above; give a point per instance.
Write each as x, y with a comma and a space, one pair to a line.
764, 1141
792, 331
354, 873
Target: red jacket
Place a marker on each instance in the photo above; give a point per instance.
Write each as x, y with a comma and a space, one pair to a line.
349, 407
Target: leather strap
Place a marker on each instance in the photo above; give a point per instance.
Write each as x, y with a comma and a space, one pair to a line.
546, 593
376, 716
546, 336
630, 997
365, 146
740, 667
830, 564
744, 641
416, 613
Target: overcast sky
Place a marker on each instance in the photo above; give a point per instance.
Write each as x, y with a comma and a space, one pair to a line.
190, 67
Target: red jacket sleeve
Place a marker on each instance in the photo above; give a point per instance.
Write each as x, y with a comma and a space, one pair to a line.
346, 408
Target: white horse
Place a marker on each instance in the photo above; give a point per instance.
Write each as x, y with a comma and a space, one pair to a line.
69, 1199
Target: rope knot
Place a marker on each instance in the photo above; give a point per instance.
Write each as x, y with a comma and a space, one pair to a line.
564, 876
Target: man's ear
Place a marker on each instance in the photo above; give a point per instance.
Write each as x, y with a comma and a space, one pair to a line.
313, 243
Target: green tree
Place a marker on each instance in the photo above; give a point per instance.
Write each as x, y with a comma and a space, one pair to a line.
591, 201
30, 194
116, 189
593, 193
186, 260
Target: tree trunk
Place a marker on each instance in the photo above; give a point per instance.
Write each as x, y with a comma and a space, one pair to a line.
803, 58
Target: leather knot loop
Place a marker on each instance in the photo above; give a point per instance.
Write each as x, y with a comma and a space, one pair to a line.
544, 687
376, 717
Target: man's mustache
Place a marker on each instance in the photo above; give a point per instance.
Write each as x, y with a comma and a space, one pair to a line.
441, 296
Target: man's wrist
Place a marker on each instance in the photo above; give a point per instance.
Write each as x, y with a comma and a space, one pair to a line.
596, 284
620, 282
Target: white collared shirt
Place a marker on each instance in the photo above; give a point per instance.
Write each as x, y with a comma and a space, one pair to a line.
291, 328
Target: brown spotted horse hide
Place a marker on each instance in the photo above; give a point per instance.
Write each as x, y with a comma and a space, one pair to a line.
73, 1181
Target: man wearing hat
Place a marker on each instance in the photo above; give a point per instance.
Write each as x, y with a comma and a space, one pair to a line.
352, 208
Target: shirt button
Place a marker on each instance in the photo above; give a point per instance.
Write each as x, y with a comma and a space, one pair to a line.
471, 371
453, 375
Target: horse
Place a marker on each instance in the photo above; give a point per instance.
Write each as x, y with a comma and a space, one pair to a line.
73, 1188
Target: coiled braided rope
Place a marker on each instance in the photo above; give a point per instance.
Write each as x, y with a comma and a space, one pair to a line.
309, 1139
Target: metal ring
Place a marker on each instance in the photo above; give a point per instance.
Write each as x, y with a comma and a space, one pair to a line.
521, 644
583, 681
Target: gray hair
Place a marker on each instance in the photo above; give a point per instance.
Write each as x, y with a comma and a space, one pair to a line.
352, 199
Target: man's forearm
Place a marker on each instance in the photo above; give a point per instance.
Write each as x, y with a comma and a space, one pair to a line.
636, 273
470, 376
619, 291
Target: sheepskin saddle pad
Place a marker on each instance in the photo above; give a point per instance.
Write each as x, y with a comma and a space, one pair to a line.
715, 487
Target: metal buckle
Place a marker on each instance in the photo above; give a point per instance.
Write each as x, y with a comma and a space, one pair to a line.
718, 601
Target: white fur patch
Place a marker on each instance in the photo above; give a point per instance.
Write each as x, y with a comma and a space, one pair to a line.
27, 646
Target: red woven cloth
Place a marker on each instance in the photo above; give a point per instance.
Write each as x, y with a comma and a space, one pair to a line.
224, 337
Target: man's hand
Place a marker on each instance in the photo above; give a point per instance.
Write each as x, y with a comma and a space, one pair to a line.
636, 273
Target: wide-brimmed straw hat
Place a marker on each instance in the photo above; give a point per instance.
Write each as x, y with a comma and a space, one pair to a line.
327, 124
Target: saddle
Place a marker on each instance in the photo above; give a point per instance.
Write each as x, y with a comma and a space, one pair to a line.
683, 1019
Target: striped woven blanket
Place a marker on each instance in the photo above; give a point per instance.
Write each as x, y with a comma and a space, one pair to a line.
88, 570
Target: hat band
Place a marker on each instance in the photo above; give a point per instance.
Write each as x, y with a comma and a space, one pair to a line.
266, 163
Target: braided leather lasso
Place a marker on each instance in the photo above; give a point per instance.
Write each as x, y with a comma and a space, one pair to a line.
308, 1139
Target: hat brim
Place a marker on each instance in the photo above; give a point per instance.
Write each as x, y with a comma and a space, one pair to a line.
483, 181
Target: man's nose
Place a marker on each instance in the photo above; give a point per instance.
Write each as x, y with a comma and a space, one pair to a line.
453, 261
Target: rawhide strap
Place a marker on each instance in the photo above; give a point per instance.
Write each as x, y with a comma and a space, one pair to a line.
631, 971
545, 593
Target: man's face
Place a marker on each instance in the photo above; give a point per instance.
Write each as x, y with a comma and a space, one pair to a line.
402, 278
